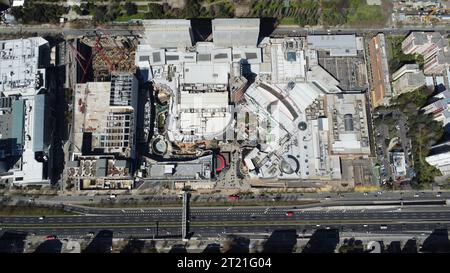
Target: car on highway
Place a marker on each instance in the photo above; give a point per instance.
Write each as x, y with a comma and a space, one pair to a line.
328, 198
383, 227
290, 213
41, 217
317, 225
91, 233
416, 195
365, 225
438, 194
276, 198
50, 237
233, 197
366, 193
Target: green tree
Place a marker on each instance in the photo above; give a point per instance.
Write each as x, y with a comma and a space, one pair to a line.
155, 11
131, 8
191, 9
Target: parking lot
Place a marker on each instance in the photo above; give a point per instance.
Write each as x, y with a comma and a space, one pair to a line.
385, 132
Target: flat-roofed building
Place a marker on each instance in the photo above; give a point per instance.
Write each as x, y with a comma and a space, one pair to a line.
236, 32
407, 79
439, 157
398, 160
202, 168
350, 132
438, 63
26, 120
168, 33
336, 45
100, 173
105, 116
407, 68
379, 72
439, 109
433, 46
423, 43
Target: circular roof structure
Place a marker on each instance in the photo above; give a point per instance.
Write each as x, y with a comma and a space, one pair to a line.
302, 125
289, 165
159, 146
220, 163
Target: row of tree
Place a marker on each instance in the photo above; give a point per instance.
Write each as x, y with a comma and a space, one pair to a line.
38, 12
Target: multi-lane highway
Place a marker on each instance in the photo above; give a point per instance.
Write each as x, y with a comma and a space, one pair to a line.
218, 221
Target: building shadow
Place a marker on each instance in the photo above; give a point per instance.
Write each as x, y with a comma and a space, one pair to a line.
102, 243
322, 241
437, 242
133, 246
237, 244
267, 26
212, 248
12, 242
49, 246
410, 246
394, 247
281, 241
178, 248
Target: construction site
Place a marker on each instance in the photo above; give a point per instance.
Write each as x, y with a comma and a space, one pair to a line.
98, 57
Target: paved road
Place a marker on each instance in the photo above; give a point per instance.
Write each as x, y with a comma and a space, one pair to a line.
218, 215
300, 31
21, 30
280, 31
324, 197
222, 220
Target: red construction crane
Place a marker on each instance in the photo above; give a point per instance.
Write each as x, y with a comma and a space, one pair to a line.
78, 56
97, 48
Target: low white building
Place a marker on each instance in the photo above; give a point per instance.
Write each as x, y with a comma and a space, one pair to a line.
407, 79
398, 164
25, 120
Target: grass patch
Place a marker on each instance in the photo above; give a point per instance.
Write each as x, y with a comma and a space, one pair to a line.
288, 21
126, 17
362, 14
31, 211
